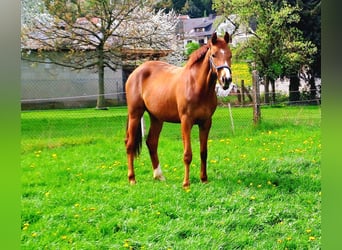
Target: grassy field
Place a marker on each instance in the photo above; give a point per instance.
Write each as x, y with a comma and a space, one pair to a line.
264, 189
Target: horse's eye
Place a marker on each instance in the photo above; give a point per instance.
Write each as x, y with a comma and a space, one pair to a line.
213, 55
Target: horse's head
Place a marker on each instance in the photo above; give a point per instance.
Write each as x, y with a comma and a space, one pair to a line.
220, 57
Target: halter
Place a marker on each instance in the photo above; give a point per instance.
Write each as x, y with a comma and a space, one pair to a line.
212, 64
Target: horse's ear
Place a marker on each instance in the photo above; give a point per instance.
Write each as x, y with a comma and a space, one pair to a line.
227, 37
214, 38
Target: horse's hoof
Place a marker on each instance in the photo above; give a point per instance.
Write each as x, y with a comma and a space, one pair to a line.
158, 174
132, 182
186, 185
204, 180
159, 178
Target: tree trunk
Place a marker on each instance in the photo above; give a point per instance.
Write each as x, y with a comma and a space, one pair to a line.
267, 90
294, 96
101, 102
273, 99
313, 90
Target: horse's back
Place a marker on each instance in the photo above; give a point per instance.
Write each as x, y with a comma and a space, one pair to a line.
148, 72
153, 85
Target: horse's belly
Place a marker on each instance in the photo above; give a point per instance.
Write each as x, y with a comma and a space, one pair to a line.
165, 110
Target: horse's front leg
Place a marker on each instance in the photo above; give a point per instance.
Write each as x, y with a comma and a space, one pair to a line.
186, 126
203, 134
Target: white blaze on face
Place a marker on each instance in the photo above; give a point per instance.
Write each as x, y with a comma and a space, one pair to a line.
226, 71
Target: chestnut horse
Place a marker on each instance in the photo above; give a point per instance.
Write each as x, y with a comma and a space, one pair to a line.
183, 95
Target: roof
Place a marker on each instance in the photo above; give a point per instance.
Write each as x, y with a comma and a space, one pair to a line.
197, 27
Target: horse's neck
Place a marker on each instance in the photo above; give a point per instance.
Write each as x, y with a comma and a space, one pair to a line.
206, 79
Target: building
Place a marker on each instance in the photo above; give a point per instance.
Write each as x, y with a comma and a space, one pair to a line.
200, 29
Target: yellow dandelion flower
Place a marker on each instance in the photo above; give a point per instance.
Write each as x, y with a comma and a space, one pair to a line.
252, 198
126, 244
263, 158
54, 156
26, 225
259, 186
279, 240
64, 237
308, 230
311, 238
34, 234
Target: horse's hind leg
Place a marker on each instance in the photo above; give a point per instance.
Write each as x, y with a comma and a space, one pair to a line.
152, 144
133, 143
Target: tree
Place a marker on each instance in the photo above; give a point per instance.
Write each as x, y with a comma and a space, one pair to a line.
98, 33
276, 47
193, 8
310, 25
191, 47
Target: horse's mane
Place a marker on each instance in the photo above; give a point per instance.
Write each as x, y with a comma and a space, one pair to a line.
197, 55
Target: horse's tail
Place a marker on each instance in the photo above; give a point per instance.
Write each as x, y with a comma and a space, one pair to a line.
137, 140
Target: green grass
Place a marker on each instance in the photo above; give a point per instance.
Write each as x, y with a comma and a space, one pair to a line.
264, 189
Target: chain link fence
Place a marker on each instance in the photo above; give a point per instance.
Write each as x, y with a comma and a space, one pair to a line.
49, 115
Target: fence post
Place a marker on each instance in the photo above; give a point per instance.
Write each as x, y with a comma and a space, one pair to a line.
243, 92
256, 99
231, 117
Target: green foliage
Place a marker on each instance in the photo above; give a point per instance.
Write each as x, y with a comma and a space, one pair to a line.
193, 8
191, 47
264, 190
277, 47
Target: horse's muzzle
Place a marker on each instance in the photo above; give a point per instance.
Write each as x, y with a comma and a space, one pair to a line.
225, 82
